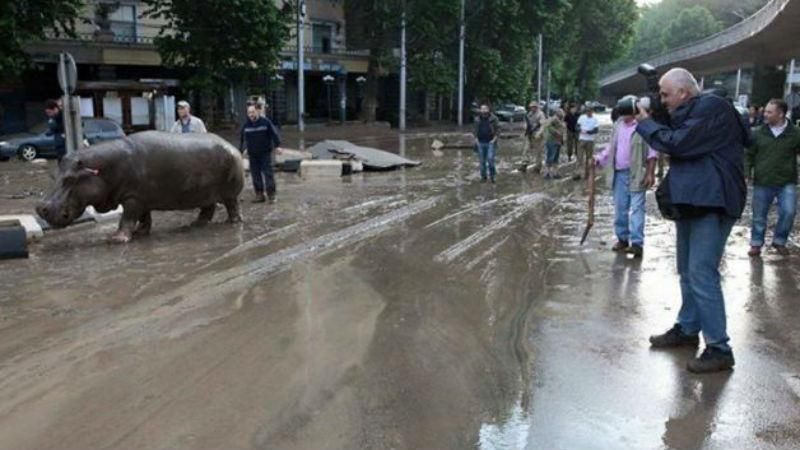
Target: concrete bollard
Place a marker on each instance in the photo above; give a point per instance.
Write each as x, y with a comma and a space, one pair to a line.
13, 241
320, 169
33, 230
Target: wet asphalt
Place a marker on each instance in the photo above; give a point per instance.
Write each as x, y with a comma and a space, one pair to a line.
416, 309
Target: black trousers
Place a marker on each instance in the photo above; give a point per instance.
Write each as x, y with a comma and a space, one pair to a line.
261, 172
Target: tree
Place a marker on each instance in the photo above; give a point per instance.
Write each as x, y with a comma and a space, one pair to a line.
599, 32
24, 21
692, 24
501, 39
219, 41
432, 63
373, 25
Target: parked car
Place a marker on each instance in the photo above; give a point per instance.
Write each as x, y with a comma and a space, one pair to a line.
38, 143
510, 113
596, 106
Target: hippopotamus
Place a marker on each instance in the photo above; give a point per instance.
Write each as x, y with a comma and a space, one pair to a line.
144, 172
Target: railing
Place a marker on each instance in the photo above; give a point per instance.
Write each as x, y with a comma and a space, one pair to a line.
318, 50
725, 38
99, 37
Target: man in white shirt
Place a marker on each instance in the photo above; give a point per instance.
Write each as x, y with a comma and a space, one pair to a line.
187, 123
589, 127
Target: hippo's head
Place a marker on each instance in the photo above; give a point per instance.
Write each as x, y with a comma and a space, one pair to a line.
77, 185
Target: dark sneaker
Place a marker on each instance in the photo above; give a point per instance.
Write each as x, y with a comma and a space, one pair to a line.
781, 249
493, 181
675, 337
754, 251
483, 180
635, 250
712, 360
620, 246
259, 199
271, 199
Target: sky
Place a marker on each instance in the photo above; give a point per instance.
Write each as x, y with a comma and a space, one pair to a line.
647, 2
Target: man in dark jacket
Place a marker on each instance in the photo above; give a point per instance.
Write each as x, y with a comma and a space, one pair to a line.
771, 162
571, 121
259, 136
487, 129
705, 141
55, 127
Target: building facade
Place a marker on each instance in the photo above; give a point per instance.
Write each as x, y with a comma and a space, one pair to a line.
122, 77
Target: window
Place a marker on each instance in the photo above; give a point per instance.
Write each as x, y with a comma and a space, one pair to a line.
322, 38
123, 23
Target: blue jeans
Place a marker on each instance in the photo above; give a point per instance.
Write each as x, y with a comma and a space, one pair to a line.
261, 172
553, 152
486, 152
763, 196
628, 210
701, 244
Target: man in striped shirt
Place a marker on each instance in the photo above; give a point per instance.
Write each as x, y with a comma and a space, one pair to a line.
259, 136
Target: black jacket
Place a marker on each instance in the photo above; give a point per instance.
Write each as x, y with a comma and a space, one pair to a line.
705, 141
259, 137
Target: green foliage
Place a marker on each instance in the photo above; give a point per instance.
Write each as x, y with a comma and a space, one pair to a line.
673, 23
432, 63
690, 25
598, 31
219, 40
24, 21
501, 45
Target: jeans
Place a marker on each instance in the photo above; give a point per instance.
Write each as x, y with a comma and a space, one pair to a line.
763, 196
486, 152
628, 210
261, 172
701, 244
553, 153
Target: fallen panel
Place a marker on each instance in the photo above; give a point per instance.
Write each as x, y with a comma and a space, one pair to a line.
372, 158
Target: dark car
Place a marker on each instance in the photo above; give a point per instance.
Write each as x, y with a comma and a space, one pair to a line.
510, 113
597, 106
38, 143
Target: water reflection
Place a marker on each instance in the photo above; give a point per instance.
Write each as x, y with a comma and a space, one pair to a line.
509, 434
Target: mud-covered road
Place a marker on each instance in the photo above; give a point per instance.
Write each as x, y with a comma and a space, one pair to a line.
417, 309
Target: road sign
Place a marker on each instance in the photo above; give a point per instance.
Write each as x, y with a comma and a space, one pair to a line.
67, 73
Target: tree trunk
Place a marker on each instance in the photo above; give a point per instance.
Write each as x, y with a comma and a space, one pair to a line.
368, 113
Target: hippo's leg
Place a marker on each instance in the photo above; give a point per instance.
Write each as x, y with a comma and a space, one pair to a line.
145, 222
232, 207
127, 223
206, 214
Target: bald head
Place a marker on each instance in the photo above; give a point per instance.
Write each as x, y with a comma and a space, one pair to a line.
678, 86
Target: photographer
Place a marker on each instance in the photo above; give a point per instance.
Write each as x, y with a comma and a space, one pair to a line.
704, 192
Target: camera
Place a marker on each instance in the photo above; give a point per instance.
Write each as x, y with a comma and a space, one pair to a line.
651, 100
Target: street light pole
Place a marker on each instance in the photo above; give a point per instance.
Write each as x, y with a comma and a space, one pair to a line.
461, 36
539, 71
403, 61
301, 94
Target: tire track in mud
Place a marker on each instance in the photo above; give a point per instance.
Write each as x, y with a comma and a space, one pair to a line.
159, 316
525, 202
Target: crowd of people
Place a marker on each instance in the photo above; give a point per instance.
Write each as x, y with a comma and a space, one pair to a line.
713, 151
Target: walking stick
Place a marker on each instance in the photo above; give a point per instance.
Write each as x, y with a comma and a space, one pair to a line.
590, 221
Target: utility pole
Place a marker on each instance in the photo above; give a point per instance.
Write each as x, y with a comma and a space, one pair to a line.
301, 87
547, 102
738, 83
461, 36
403, 60
539, 71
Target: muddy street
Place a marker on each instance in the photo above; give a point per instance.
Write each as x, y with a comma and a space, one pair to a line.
416, 309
